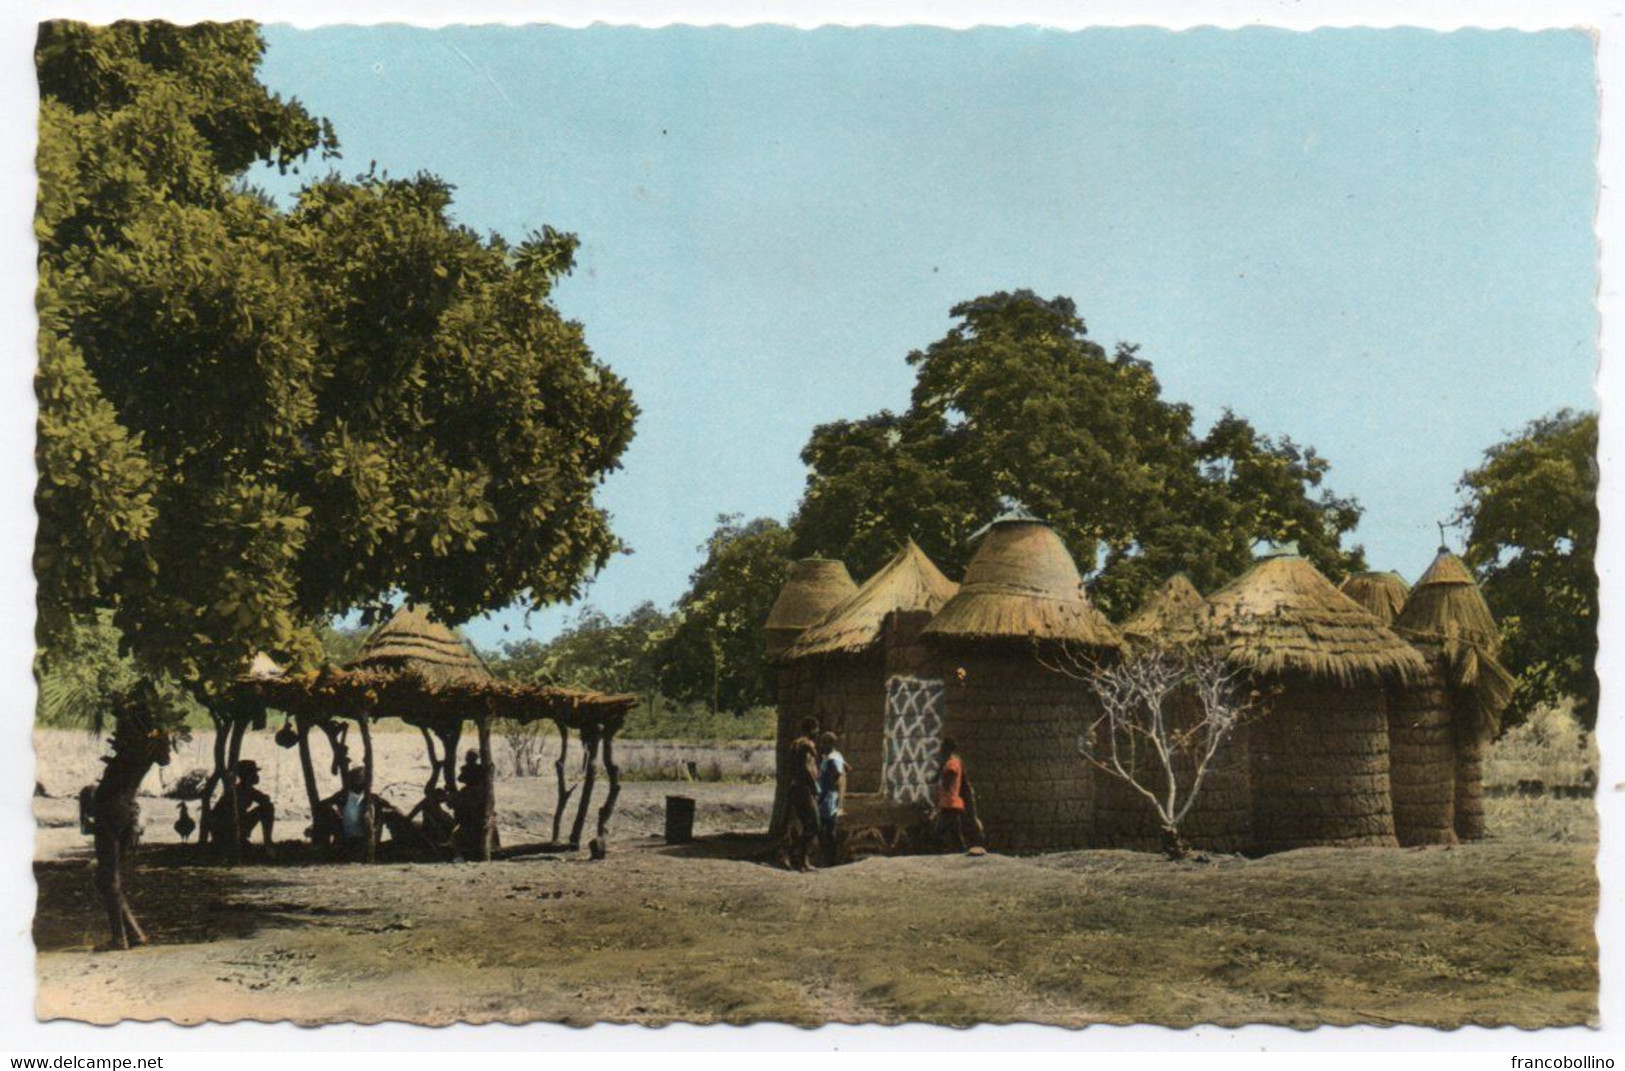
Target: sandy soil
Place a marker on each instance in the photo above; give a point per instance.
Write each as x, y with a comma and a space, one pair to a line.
1497, 932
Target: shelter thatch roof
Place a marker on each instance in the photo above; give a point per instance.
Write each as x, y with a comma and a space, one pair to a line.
1381, 593
1283, 616
1446, 609
1022, 584
410, 641
263, 667
909, 582
1174, 612
815, 587
334, 692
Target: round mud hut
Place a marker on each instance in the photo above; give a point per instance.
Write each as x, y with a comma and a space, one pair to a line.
814, 587
1020, 607
1318, 753
1448, 719
1381, 593
848, 658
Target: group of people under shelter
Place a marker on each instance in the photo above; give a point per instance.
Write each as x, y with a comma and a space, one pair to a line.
354, 819
818, 775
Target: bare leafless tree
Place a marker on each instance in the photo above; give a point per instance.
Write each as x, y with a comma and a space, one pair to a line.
526, 743
1167, 712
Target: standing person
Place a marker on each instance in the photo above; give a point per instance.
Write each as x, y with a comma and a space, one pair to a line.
803, 770
951, 787
831, 789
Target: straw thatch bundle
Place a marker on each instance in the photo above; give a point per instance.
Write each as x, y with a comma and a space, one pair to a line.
1319, 757
410, 641
1448, 620
910, 582
1383, 594
1283, 617
1017, 722
814, 588
1175, 613
1022, 585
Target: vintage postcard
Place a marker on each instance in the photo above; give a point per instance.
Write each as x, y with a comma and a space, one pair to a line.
866, 524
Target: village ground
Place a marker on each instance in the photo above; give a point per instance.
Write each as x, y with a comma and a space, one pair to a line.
1499, 932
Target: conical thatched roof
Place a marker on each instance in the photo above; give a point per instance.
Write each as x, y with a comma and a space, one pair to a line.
410, 642
263, 667
1283, 616
1447, 609
1022, 584
1175, 612
909, 582
1381, 593
815, 587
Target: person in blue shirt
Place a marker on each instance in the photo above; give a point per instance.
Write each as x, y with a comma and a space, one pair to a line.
831, 787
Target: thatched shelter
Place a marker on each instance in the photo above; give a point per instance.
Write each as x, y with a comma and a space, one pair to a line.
1383, 594
1449, 622
1319, 757
1176, 615
420, 671
846, 660
1015, 720
814, 587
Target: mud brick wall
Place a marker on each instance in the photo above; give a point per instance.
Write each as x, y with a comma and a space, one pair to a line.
1422, 762
1017, 726
1320, 768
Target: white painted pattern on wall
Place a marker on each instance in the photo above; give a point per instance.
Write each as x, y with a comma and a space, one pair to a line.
913, 734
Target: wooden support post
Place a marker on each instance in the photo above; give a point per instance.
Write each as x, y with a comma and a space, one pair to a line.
313, 794
364, 720
589, 740
450, 735
434, 761
564, 789
217, 780
607, 811
488, 802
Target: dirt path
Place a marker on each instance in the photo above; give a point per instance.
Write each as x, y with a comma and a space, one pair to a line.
1499, 932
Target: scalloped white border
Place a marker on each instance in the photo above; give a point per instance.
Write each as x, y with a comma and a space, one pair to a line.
19, 1031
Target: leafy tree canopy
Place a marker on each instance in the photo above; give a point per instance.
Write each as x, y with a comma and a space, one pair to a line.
616, 655
1016, 401
717, 652
253, 419
1531, 518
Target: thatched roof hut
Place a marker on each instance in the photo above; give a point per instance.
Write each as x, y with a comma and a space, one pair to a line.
1175, 612
1022, 585
1448, 620
1283, 617
814, 588
1383, 594
1015, 720
910, 582
836, 672
1319, 756
411, 642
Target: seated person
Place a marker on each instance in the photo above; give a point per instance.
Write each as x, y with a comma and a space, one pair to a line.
254, 809
355, 817
438, 825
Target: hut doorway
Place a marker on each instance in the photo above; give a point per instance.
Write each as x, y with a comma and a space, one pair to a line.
914, 707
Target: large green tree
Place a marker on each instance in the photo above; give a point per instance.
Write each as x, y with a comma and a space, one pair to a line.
1531, 519
717, 652
252, 419
1017, 402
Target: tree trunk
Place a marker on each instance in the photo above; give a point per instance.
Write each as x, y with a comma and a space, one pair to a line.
1173, 843
365, 723
488, 800
234, 831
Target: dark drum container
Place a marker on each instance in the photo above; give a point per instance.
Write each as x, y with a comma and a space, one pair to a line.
679, 819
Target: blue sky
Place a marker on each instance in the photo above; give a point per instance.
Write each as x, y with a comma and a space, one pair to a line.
1377, 242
